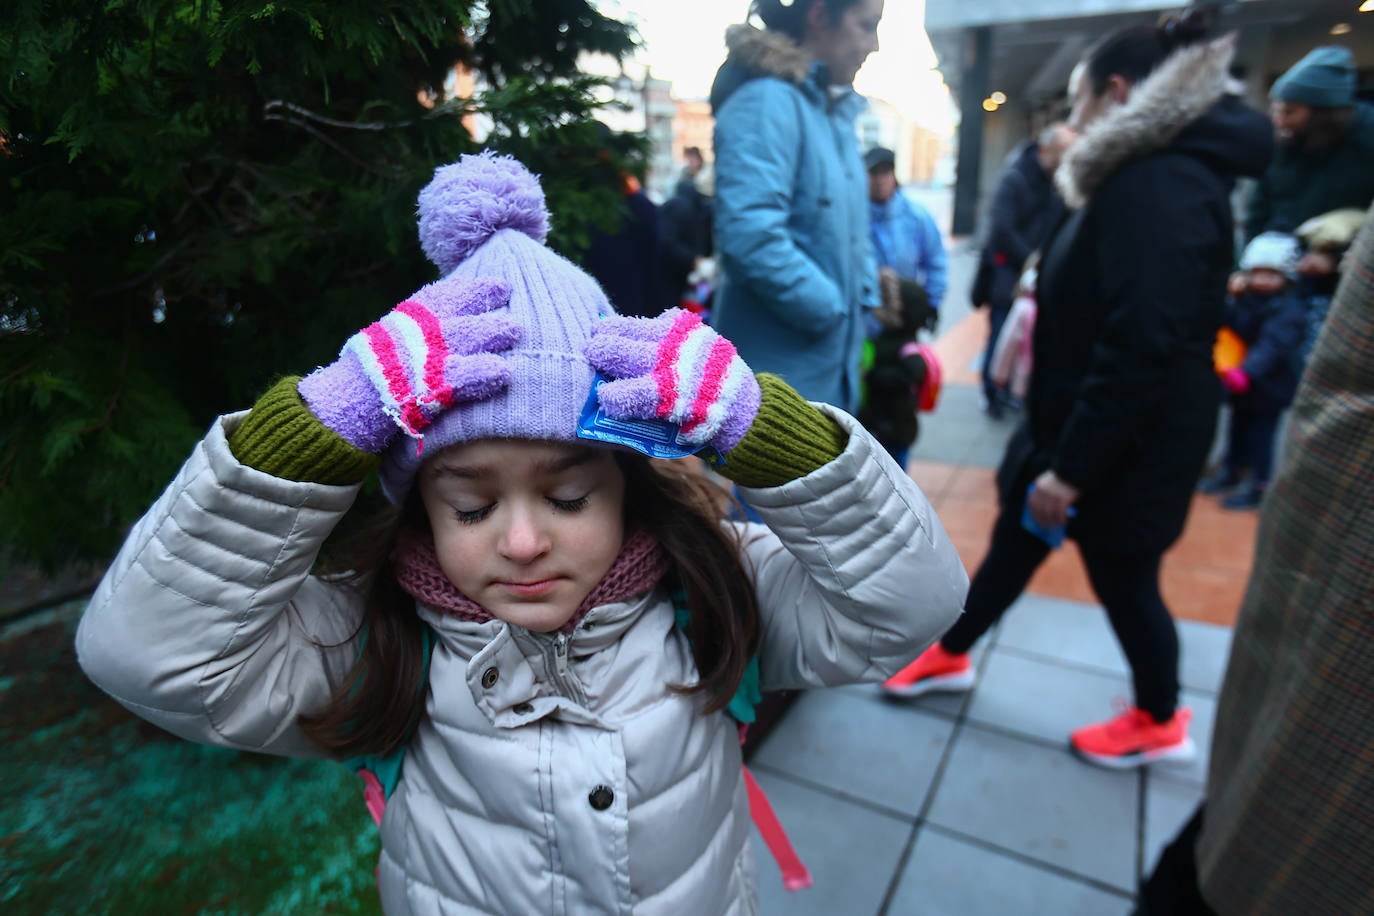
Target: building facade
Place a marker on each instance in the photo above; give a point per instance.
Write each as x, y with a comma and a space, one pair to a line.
1007, 62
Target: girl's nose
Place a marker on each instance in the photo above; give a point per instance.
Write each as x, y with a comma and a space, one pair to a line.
524, 538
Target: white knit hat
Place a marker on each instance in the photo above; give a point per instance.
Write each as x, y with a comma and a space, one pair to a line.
1273, 250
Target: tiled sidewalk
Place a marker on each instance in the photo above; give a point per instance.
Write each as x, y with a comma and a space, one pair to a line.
964, 805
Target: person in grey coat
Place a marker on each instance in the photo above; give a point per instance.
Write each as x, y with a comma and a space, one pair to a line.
559, 635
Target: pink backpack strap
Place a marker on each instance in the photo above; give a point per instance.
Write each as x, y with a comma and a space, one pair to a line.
795, 875
373, 795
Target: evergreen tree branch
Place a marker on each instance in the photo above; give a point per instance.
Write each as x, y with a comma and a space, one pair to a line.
274, 104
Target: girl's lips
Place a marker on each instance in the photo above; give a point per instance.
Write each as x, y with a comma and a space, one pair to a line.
529, 589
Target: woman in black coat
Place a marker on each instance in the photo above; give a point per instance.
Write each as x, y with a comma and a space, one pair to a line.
1124, 400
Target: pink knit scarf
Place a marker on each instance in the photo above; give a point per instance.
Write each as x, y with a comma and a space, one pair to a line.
641, 563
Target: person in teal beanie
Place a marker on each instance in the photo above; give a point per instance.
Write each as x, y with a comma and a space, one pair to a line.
1325, 147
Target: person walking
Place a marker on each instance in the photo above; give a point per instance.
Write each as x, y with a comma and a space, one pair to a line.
1123, 401
905, 237
1024, 208
796, 267
685, 233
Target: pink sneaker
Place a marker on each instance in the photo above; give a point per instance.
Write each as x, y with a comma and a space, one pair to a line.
934, 669
1134, 738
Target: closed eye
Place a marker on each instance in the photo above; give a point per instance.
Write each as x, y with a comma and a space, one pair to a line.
473, 516
569, 505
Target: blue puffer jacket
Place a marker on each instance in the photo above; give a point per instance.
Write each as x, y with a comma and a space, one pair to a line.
906, 239
791, 218
1272, 328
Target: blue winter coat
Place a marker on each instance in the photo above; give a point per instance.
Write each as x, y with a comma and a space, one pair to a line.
906, 239
1272, 328
791, 218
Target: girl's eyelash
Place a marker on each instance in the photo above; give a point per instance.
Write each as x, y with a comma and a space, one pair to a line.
472, 517
569, 505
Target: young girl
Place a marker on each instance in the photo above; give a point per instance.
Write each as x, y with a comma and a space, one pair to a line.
1270, 319
567, 748
1013, 357
901, 375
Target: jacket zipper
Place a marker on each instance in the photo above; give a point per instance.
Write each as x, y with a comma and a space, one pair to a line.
567, 685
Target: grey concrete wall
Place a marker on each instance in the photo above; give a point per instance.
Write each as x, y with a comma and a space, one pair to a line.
953, 14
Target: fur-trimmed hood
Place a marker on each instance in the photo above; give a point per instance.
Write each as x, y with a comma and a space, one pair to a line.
754, 52
1175, 106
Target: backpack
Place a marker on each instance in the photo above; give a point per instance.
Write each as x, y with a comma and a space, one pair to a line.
381, 773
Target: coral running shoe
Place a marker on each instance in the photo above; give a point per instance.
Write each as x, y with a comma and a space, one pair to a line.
934, 669
1134, 738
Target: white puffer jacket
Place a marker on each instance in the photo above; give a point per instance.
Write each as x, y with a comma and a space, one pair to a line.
548, 775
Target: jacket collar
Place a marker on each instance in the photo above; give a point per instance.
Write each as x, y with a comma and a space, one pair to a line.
1176, 94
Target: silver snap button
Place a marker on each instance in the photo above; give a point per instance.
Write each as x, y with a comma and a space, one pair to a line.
490, 677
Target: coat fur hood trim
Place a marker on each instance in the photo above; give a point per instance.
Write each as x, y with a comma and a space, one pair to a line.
767, 53
1176, 94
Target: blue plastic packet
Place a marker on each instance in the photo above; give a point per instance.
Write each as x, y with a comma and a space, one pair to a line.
1053, 536
655, 438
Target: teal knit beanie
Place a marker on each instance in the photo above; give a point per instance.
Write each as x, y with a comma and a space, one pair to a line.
1325, 78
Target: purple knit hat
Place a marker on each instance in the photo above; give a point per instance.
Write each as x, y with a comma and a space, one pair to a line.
483, 218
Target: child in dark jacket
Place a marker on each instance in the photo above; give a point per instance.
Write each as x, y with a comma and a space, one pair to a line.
901, 375
1270, 319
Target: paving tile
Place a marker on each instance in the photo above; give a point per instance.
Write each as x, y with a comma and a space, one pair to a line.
1041, 699
1203, 593
1067, 631
947, 876
1215, 537
972, 547
1204, 649
977, 485
932, 477
1041, 803
1168, 805
967, 517
1062, 576
860, 744
986, 453
852, 852
941, 449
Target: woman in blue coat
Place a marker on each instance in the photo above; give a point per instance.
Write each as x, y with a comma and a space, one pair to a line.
791, 205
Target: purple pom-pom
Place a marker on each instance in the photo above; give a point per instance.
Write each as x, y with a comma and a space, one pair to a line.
474, 198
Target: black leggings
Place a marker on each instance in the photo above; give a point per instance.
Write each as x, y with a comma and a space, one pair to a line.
1126, 584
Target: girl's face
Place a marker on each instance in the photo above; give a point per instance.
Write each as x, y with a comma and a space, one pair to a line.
526, 529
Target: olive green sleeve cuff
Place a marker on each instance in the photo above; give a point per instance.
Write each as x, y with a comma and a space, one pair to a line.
789, 439
281, 437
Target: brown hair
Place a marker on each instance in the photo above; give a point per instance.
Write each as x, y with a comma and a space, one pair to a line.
380, 703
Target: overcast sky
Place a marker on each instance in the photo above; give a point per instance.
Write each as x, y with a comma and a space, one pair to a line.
684, 41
